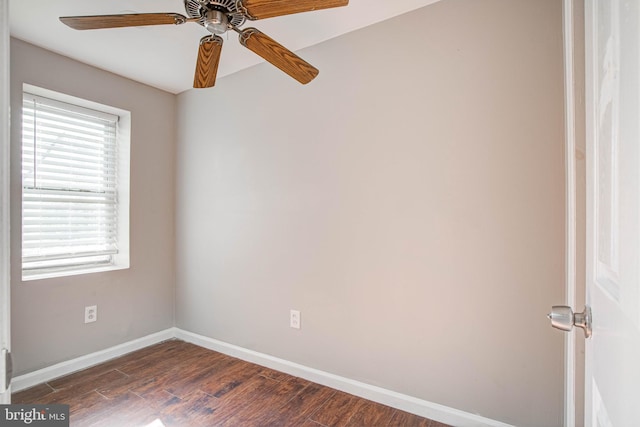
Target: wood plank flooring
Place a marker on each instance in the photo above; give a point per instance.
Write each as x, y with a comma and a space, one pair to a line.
175, 383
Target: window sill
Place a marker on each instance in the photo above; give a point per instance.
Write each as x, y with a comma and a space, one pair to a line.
74, 272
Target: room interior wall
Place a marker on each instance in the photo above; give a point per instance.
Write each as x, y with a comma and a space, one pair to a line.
48, 315
409, 202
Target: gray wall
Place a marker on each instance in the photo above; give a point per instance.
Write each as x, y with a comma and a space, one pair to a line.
410, 202
48, 315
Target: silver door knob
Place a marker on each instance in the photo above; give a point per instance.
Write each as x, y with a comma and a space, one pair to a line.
563, 318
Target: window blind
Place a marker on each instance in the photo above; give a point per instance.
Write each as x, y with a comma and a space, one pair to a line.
69, 186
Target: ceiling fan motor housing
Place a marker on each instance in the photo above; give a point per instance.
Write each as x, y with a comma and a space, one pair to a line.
215, 15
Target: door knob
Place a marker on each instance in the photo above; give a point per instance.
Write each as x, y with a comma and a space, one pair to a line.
563, 318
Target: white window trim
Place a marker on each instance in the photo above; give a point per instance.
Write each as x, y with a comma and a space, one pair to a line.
121, 259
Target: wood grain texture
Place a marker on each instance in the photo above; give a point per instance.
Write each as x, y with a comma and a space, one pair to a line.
404, 419
208, 60
261, 9
181, 384
124, 20
338, 410
372, 414
278, 55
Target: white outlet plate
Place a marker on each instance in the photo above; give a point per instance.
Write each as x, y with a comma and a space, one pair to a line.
294, 319
90, 313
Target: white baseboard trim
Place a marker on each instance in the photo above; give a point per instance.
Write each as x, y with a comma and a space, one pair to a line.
64, 368
391, 398
396, 400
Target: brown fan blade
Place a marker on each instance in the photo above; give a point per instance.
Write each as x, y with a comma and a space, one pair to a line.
260, 9
278, 55
208, 59
125, 20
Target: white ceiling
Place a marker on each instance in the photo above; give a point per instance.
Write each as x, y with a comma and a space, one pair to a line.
164, 56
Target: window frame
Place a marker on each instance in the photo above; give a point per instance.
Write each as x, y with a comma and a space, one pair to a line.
120, 260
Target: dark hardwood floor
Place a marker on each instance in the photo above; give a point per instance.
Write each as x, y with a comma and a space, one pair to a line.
175, 383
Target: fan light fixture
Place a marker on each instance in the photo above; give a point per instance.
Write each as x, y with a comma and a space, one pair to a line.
218, 17
216, 22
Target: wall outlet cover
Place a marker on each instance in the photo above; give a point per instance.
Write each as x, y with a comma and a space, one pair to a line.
294, 319
90, 313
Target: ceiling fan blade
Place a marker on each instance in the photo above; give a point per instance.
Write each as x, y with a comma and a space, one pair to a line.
260, 9
208, 59
278, 55
125, 20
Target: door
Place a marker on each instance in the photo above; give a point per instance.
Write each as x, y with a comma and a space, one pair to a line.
612, 374
5, 394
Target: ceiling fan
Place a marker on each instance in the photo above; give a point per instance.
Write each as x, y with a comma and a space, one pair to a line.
218, 17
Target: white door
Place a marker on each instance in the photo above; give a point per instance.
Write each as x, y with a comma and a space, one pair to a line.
5, 394
612, 375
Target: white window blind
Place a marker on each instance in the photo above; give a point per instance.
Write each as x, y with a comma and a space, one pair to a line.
69, 187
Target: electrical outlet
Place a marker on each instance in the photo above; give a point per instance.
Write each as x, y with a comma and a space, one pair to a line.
294, 319
90, 313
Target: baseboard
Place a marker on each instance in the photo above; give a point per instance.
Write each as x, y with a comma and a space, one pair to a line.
64, 368
391, 398
400, 401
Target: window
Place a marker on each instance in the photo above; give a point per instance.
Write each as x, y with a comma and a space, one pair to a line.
75, 178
